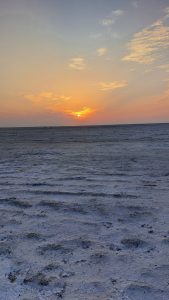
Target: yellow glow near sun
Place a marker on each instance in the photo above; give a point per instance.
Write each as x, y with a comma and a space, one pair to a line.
82, 114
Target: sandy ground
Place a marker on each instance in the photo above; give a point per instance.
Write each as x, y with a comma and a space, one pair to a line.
84, 220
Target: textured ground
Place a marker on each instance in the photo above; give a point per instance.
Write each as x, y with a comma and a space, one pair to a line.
84, 213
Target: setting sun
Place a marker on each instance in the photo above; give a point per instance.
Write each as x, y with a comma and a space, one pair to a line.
84, 113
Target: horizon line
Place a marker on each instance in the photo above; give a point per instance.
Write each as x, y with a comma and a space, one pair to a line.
87, 125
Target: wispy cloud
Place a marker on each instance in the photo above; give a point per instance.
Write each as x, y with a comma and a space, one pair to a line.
134, 4
118, 12
146, 45
166, 79
166, 11
164, 67
107, 22
46, 99
112, 17
78, 63
101, 51
110, 86
115, 35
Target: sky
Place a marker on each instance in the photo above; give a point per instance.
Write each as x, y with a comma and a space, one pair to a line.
76, 62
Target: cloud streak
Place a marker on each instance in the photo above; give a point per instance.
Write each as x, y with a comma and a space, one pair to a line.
110, 86
146, 45
112, 18
77, 63
47, 100
164, 67
101, 51
118, 12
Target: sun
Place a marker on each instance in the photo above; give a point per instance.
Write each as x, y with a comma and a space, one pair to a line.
82, 114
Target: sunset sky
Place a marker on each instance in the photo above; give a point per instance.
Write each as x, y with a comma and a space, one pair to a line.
77, 62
